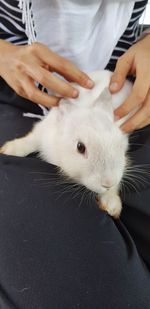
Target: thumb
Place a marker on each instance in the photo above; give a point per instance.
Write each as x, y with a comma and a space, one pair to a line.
122, 69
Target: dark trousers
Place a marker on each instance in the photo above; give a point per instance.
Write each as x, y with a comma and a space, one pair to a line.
59, 253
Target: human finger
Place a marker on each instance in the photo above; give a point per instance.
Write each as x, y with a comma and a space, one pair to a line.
62, 66
140, 118
32, 93
136, 98
48, 80
122, 69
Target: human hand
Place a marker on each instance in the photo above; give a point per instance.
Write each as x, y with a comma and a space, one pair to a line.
135, 61
21, 66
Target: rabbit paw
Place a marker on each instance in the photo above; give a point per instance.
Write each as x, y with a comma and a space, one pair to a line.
14, 148
112, 204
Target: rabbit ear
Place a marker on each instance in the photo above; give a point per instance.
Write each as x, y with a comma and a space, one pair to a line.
105, 101
65, 106
106, 96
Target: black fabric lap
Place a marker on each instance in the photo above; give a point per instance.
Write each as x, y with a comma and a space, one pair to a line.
56, 252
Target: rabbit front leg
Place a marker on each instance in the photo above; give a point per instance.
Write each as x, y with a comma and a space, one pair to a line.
21, 147
110, 201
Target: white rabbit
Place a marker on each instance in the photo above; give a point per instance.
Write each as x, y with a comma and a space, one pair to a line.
82, 138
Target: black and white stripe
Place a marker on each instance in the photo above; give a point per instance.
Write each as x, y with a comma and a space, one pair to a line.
11, 26
131, 34
13, 30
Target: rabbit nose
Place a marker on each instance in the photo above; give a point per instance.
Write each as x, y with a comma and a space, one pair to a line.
108, 184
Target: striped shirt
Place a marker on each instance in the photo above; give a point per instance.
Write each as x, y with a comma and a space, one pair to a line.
13, 30
131, 34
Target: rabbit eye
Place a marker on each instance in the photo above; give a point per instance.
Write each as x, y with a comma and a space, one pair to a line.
81, 147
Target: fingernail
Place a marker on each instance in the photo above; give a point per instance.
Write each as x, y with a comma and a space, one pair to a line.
114, 86
116, 117
75, 93
90, 83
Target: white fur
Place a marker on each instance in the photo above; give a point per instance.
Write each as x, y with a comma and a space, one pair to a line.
88, 119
